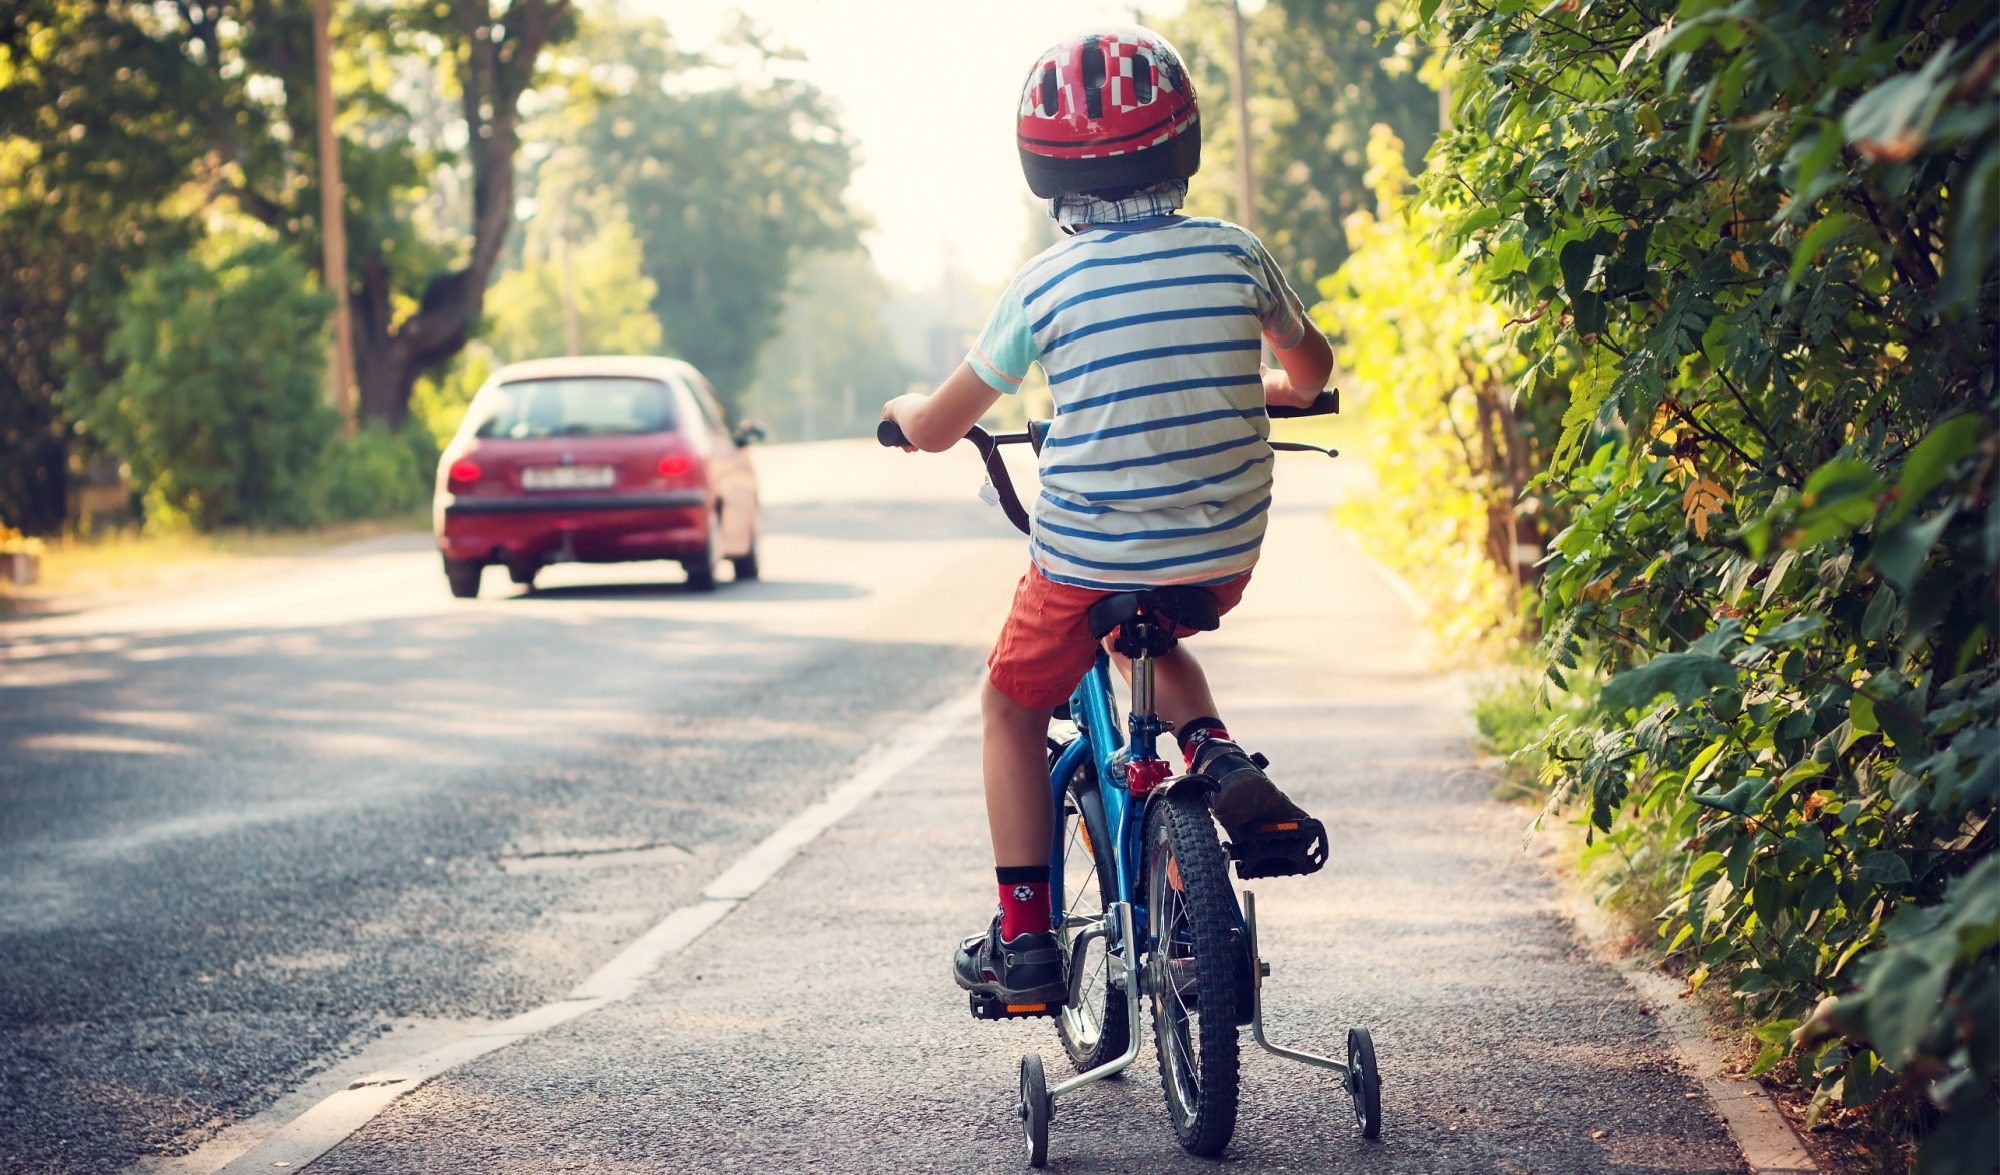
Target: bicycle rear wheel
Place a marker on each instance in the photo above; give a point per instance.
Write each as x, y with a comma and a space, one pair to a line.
1093, 1024
1194, 978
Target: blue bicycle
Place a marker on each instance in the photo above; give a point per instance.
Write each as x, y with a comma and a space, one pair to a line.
1140, 888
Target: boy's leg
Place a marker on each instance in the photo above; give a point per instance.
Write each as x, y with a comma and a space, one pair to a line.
1019, 810
1245, 796
1043, 649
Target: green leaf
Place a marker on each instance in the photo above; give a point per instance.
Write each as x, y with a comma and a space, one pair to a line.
1903, 992
1793, 629
1775, 581
1698, 869
1881, 612
1884, 868
1861, 714
1932, 460
1699, 123
1889, 123
1776, 1032
1816, 238
1687, 675
1839, 496
1767, 1059
1742, 800
1900, 550
1479, 219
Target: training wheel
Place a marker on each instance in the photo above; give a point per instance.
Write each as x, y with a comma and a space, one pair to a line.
1364, 1083
1035, 1109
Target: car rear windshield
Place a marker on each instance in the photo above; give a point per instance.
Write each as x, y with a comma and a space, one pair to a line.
579, 406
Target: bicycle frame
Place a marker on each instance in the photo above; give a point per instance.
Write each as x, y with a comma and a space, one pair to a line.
1093, 708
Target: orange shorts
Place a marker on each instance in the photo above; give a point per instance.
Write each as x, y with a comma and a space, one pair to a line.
1045, 647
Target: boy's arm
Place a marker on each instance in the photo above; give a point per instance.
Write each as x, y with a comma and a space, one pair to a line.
938, 421
1302, 370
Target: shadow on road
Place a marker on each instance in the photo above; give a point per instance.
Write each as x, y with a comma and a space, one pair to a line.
756, 591
228, 856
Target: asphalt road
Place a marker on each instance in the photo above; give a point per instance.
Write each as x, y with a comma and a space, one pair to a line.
263, 833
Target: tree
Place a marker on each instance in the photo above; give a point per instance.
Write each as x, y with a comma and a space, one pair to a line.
728, 187
1320, 77
214, 403
91, 150
833, 362
587, 296
126, 100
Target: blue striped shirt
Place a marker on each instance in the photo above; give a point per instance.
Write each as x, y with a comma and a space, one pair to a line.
1157, 468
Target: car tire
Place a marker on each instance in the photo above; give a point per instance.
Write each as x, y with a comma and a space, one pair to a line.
746, 563
463, 575
701, 568
524, 574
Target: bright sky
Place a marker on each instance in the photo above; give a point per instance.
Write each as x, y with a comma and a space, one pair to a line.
928, 88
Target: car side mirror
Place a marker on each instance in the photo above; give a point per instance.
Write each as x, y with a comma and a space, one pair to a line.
747, 432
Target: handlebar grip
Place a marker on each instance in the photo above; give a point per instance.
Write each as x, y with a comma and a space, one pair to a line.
1327, 403
889, 435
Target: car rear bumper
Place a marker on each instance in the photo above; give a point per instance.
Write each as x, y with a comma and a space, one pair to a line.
590, 528
576, 503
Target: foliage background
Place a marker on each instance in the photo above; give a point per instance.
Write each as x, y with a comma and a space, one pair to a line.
1745, 252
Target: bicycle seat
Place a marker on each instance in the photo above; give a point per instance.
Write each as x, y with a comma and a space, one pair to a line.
1174, 608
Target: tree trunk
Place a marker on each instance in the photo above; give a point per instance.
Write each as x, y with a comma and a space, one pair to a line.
388, 356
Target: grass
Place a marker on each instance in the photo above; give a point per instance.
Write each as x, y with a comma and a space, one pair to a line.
134, 560
1507, 712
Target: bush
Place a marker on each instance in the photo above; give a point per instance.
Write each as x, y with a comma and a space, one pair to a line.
377, 473
214, 397
1753, 248
1431, 366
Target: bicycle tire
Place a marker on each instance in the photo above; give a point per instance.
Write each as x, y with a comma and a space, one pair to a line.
1189, 936
1093, 1025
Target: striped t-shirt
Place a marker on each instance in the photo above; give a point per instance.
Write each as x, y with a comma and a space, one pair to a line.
1156, 469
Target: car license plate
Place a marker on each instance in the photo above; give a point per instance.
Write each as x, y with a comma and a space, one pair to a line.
567, 477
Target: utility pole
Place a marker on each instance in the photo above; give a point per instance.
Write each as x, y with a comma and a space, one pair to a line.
1246, 182
566, 282
332, 217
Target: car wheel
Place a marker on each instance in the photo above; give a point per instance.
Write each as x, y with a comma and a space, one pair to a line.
463, 576
746, 563
701, 568
524, 574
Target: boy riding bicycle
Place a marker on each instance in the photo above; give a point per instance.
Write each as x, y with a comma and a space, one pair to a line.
1156, 469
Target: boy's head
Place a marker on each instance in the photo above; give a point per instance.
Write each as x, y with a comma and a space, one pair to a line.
1107, 113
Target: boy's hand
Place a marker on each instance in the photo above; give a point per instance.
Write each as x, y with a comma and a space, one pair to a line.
897, 410
1303, 371
938, 421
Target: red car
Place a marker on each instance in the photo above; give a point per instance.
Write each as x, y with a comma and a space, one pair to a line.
604, 459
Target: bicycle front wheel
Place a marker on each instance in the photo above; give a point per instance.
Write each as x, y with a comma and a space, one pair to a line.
1194, 978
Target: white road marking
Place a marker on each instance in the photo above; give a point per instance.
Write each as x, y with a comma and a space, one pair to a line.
325, 1125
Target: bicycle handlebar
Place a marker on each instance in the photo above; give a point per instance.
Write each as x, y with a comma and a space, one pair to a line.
1327, 403
889, 435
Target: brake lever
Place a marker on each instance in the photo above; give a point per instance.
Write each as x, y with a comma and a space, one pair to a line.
1302, 447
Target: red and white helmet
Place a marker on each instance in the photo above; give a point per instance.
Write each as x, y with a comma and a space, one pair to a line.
1108, 110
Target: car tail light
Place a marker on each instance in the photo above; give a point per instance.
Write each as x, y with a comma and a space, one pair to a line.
676, 465
464, 472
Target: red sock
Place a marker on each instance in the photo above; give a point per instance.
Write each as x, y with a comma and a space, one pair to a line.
1024, 899
1193, 734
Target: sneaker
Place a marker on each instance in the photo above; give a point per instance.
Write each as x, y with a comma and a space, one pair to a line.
1027, 969
1269, 835
1244, 796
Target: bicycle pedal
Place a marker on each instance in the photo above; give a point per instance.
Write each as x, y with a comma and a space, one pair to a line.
986, 1007
1289, 848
